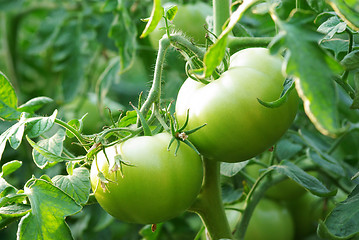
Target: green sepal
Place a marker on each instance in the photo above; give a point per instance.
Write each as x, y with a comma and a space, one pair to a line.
146, 128
280, 101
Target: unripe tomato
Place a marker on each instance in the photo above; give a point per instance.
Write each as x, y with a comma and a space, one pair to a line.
269, 221
238, 126
190, 19
156, 185
309, 209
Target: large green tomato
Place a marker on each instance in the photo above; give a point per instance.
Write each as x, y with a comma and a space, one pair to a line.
190, 19
238, 126
156, 185
269, 220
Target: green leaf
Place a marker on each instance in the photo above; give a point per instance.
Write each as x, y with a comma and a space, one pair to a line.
34, 104
37, 126
339, 47
312, 69
107, 78
351, 60
216, 52
327, 162
53, 145
124, 32
348, 11
332, 26
316, 5
110, 5
8, 5
34, 127
13, 130
231, 169
50, 157
129, 119
343, 221
48, 31
15, 138
287, 149
73, 73
77, 124
156, 15
8, 100
302, 178
171, 12
76, 185
11, 213
4, 185
49, 207
16, 210
146, 128
10, 167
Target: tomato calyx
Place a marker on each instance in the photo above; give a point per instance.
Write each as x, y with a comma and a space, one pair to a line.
288, 87
179, 135
114, 167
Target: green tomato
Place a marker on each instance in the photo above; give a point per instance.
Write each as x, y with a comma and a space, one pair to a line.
190, 19
238, 126
156, 185
269, 220
309, 209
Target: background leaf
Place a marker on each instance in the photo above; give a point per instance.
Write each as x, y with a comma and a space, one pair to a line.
8, 100
348, 11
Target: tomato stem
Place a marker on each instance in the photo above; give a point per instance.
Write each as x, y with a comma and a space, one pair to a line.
73, 131
246, 42
209, 204
155, 91
221, 12
257, 191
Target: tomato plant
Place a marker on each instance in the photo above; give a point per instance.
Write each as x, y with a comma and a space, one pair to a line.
153, 160
269, 220
154, 184
249, 128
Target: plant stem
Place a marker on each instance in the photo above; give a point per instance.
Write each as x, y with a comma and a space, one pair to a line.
245, 42
346, 87
155, 91
73, 131
209, 204
254, 196
221, 12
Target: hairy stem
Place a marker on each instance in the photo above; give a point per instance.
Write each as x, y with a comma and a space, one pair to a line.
155, 91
